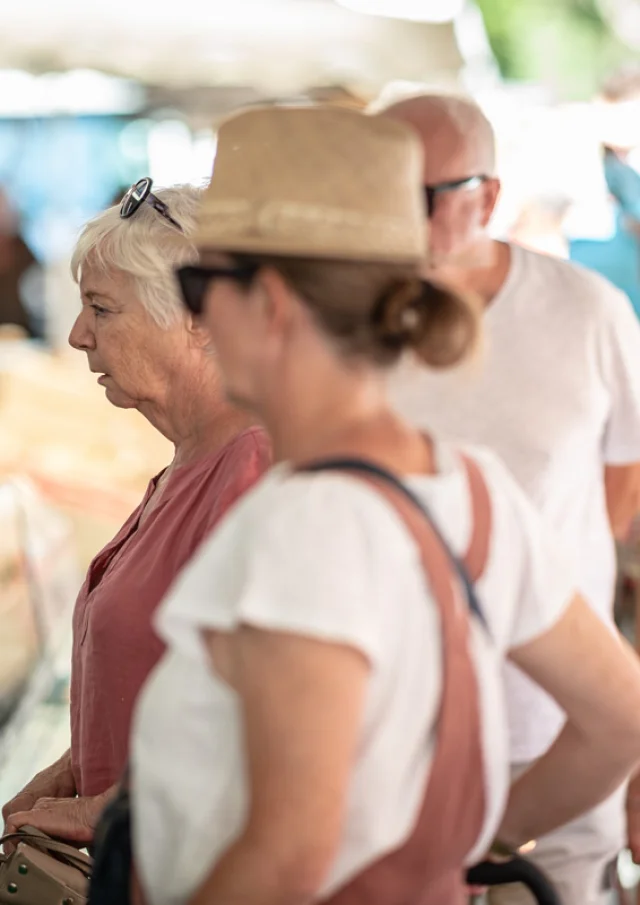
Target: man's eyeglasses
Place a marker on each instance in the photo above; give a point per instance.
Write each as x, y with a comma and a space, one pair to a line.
141, 193
195, 280
431, 192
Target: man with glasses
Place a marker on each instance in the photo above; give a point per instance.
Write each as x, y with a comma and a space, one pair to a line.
556, 393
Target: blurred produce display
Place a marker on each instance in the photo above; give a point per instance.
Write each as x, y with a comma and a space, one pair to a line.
91, 460
39, 580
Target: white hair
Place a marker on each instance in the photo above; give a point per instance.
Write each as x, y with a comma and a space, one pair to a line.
147, 247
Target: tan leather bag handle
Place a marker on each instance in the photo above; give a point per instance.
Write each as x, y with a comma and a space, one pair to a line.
66, 853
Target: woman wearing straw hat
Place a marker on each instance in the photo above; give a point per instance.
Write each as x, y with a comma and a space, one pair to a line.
327, 723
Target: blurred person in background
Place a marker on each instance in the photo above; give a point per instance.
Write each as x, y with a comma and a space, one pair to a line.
557, 395
153, 357
618, 257
21, 302
328, 723
539, 225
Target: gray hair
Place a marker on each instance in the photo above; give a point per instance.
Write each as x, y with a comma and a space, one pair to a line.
147, 247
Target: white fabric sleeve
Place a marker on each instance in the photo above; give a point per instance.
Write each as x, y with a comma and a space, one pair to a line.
531, 562
620, 361
312, 558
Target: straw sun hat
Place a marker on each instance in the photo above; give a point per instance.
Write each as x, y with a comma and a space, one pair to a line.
315, 182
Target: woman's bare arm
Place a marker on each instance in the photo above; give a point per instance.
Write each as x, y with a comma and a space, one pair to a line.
594, 676
622, 488
303, 703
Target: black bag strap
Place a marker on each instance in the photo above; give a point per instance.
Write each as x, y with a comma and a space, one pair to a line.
113, 855
373, 470
516, 870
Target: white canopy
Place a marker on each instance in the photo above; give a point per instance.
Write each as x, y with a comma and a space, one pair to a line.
281, 45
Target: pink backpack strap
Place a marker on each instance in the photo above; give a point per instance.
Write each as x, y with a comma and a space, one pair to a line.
427, 866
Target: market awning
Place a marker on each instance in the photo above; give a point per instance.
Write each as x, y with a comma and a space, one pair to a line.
283, 46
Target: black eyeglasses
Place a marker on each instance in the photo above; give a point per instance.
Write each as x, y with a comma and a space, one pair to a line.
195, 280
431, 192
140, 193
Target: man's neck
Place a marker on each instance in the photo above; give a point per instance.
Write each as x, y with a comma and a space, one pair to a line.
484, 276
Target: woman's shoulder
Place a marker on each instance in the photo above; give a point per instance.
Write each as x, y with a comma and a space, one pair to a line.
319, 501
303, 504
214, 484
243, 461
289, 514
322, 508
249, 449
252, 441
327, 522
318, 553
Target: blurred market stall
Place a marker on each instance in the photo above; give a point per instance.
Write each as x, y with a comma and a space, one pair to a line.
89, 459
275, 46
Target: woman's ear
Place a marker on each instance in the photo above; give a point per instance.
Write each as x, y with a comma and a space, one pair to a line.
198, 335
277, 299
492, 189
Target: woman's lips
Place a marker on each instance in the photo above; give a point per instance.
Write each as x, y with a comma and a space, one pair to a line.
102, 378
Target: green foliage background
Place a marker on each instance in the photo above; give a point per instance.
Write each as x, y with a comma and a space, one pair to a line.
566, 44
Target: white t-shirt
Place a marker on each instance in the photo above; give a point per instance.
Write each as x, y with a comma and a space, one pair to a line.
556, 393
326, 556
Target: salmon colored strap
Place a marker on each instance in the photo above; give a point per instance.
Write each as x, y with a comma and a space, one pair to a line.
475, 559
426, 868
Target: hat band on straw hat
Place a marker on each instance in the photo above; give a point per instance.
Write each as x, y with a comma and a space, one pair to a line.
296, 228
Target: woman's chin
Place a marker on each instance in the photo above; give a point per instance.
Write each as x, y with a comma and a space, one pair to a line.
118, 398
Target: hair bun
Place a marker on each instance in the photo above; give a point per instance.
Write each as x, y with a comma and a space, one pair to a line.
439, 324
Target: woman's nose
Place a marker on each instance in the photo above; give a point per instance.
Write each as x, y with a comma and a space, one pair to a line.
82, 337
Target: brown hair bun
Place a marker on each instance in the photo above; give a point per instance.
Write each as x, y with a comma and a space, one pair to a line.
438, 323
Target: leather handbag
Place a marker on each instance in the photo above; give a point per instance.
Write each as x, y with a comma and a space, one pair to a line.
42, 871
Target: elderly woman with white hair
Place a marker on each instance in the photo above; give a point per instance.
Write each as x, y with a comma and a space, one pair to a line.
151, 356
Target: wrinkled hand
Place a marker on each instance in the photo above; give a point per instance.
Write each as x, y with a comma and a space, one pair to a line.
54, 782
24, 801
72, 819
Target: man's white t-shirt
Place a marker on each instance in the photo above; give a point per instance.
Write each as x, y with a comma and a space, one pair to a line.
555, 392
326, 556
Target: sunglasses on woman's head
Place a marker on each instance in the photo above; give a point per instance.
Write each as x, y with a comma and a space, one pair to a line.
140, 194
194, 282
